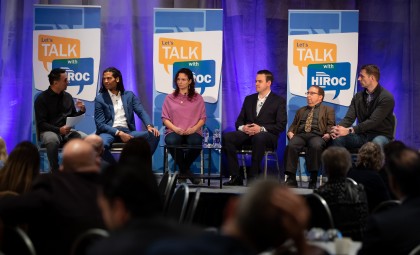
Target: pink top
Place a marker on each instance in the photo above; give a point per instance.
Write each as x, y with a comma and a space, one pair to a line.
182, 112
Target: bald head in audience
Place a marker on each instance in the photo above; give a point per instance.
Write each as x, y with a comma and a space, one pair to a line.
97, 143
79, 156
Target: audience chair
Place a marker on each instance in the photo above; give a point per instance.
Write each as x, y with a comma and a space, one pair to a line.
170, 189
86, 239
270, 154
163, 185
321, 216
192, 207
179, 201
386, 205
16, 241
348, 179
415, 251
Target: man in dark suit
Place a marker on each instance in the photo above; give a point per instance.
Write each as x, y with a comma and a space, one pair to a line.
310, 128
261, 120
60, 206
396, 231
114, 114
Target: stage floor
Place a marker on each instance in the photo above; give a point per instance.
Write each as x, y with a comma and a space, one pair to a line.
213, 200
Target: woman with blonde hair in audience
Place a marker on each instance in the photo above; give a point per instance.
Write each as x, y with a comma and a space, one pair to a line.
20, 169
3, 152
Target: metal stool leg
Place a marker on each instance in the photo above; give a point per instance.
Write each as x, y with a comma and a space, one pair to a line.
244, 165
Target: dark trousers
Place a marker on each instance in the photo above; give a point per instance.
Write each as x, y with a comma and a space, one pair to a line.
184, 157
315, 146
233, 141
109, 139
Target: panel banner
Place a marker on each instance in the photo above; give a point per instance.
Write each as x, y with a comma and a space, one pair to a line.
190, 38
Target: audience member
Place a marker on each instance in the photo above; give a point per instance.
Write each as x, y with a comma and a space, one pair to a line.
259, 124
132, 210
3, 152
370, 160
310, 128
20, 169
373, 108
98, 145
395, 231
59, 206
390, 149
347, 202
183, 114
137, 149
261, 220
114, 114
52, 107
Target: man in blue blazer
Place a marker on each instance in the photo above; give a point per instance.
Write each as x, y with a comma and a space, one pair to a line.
259, 124
114, 114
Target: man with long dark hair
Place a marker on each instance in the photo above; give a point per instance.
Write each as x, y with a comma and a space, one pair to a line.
114, 114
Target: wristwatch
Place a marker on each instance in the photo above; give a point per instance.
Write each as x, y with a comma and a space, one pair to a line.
351, 130
149, 126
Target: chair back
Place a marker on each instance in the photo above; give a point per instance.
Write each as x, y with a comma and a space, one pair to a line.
179, 201
192, 207
170, 189
163, 185
386, 205
321, 216
16, 241
415, 251
85, 240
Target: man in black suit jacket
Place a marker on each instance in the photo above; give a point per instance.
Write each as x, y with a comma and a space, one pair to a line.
396, 231
261, 120
59, 206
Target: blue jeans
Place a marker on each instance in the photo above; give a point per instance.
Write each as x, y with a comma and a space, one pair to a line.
352, 141
109, 139
184, 157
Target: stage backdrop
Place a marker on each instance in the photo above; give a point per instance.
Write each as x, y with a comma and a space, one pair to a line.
191, 38
68, 37
322, 50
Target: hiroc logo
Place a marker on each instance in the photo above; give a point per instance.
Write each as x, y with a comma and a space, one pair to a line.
309, 52
54, 47
333, 76
79, 71
204, 72
174, 50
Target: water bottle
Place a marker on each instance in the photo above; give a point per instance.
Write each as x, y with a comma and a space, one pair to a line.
216, 139
205, 138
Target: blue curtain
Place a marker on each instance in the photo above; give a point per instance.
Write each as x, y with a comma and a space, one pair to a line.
255, 37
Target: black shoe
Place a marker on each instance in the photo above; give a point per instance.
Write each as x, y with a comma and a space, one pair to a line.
291, 182
195, 181
235, 181
250, 179
312, 184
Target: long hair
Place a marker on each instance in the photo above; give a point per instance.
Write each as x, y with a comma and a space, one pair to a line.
116, 74
370, 156
191, 87
20, 169
3, 150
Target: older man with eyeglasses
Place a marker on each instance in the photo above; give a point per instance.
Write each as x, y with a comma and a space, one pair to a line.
310, 128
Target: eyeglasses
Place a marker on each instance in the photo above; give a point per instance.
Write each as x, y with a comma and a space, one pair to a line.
311, 93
